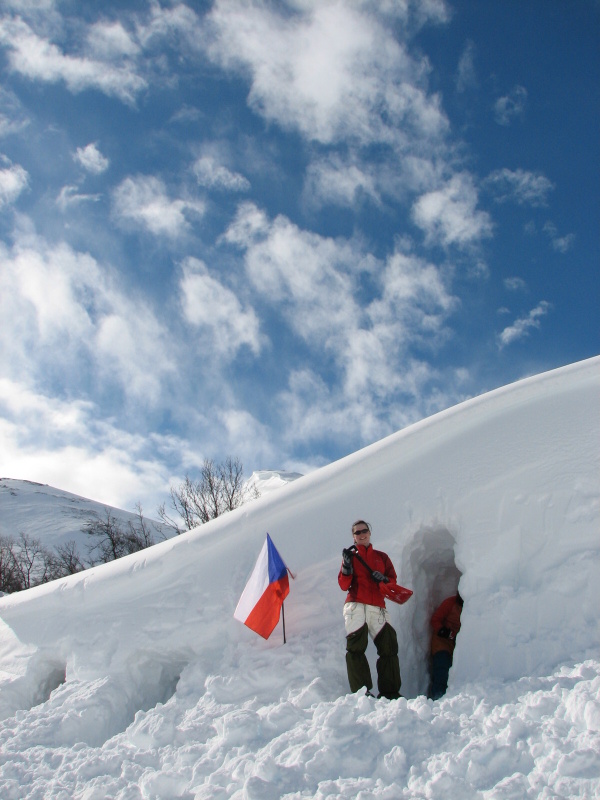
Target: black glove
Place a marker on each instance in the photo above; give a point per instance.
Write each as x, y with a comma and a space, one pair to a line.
347, 568
379, 577
445, 633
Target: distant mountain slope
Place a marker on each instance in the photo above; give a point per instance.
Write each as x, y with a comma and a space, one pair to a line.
56, 517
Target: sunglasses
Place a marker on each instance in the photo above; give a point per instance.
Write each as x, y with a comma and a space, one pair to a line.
358, 533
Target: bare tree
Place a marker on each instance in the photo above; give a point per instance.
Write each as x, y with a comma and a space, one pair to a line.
113, 541
220, 488
10, 578
34, 562
68, 559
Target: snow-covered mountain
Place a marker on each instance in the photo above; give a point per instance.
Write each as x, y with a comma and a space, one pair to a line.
56, 517
133, 680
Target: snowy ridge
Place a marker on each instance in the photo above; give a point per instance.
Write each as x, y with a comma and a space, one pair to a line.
56, 517
501, 492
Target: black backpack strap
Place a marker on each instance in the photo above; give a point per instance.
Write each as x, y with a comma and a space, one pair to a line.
355, 553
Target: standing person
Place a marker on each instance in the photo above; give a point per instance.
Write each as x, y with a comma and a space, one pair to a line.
365, 614
445, 624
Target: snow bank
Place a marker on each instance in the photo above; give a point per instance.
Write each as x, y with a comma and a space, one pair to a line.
142, 657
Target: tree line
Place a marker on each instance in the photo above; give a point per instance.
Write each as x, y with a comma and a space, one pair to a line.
25, 562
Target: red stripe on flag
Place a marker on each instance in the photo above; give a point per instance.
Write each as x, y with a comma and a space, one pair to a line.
265, 615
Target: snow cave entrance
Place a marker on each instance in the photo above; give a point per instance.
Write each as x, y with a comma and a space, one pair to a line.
431, 572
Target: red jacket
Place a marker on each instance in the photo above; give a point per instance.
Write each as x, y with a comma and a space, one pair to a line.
360, 585
446, 616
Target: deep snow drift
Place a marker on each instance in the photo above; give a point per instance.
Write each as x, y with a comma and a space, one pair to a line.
133, 680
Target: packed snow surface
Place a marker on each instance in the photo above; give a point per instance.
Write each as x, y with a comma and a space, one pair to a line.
133, 680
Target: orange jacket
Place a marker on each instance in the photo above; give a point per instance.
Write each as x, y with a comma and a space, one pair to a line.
447, 615
360, 585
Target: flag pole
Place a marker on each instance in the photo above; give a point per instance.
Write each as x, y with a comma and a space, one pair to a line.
283, 617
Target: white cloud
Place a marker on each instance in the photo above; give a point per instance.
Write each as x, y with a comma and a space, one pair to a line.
70, 196
522, 326
449, 215
65, 316
61, 442
109, 40
38, 59
13, 180
91, 159
373, 90
216, 176
307, 276
214, 309
333, 181
314, 283
466, 76
144, 200
244, 434
531, 188
515, 284
510, 106
13, 118
559, 243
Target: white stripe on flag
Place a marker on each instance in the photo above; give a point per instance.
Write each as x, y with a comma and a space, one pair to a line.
255, 588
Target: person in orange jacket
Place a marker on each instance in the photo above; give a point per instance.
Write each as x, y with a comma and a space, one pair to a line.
445, 624
365, 614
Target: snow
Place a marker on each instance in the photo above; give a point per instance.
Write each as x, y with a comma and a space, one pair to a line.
133, 680
56, 517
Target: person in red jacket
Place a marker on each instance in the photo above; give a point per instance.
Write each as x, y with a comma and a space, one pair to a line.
365, 614
445, 624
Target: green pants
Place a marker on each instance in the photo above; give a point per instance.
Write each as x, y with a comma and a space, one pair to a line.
388, 666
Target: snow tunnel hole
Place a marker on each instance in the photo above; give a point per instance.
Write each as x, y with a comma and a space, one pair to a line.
96, 708
161, 679
430, 558
51, 675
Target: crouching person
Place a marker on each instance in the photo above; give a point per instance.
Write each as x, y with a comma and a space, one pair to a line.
365, 615
445, 624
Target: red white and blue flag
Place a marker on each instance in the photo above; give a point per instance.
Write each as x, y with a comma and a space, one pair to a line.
260, 604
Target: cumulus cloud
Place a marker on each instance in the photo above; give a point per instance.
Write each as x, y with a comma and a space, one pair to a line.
373, 91
215, 310
525, 188
109, 40
512, 105
333, 181
213, 175
307, 276
13, 180
61, 442
515, 284
559, 243
449, 215
65, 316
522, 327
314, 283
37, 58
91, 159
144, 200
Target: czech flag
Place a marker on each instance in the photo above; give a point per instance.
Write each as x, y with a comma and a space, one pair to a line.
260, 604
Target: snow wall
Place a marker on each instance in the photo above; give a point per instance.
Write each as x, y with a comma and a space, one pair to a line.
500, 493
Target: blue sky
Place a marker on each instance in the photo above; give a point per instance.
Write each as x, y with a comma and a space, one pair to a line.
283, 230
